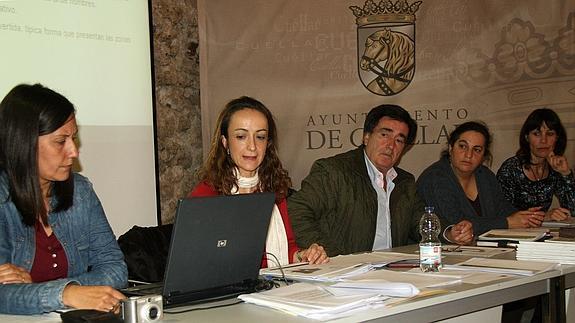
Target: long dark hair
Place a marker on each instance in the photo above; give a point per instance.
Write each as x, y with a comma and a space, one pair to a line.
218, 168
476, 126
27, 112
535, 120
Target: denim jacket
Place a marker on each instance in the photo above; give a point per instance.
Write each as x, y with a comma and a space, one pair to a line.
94, 257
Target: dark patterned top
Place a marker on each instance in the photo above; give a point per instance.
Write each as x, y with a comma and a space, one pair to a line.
524, 193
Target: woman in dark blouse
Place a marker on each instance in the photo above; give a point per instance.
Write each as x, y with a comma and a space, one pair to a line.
539, 170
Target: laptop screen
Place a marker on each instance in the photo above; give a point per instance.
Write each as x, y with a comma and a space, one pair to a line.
217, 242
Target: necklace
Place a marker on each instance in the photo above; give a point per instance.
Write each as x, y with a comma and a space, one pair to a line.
535, 175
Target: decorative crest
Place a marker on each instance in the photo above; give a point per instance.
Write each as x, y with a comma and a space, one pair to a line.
386, 45
400, 11
522, 55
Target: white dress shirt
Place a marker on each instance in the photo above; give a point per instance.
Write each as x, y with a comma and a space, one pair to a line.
383, 228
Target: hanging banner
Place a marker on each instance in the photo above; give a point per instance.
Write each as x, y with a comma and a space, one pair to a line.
321, 65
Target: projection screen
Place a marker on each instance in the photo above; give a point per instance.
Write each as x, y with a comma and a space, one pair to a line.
97, 54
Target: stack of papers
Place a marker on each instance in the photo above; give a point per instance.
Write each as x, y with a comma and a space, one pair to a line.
558, 251
471, 251
415, 277
503, 266
317, 301
339, 268
569, 222
373, 286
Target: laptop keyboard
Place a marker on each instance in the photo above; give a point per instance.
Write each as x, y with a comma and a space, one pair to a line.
146, 289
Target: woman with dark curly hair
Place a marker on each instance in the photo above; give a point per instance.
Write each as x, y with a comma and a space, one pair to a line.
539, 170
243, 159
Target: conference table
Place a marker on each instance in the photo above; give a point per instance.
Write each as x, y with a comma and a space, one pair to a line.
464, 301
461, 303
562, 283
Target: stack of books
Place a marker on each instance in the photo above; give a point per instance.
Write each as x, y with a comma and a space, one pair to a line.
554, 250
567, 232
510, 237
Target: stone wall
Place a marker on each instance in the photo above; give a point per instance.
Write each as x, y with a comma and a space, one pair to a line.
177, 85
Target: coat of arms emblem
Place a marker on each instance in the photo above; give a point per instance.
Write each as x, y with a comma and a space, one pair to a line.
386, 45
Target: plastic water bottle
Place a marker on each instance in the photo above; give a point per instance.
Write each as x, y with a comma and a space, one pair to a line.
430, 246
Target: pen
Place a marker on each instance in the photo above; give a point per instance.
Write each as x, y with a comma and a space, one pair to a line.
454, 249
463, 249
290, 266
403, 265
446, 249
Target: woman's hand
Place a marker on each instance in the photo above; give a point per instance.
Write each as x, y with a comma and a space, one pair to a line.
315, 254
558, 214
530, 218
12, 274
559, 164
101, 298
461, 233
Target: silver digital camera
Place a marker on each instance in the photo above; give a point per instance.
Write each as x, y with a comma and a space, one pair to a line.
141, 309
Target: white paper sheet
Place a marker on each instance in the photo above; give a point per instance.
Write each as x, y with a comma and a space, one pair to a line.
503, 266
313, 301
338, 268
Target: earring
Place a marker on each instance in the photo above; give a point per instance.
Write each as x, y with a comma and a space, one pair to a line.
228, 151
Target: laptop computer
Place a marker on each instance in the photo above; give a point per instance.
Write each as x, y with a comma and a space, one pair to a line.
216, 248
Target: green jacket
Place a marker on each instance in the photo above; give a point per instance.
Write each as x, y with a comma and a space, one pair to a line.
337, 206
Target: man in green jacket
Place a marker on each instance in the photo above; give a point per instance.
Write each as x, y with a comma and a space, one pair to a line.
358, 200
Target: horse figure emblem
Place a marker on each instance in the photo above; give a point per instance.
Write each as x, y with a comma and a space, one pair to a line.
386, 44
396, 52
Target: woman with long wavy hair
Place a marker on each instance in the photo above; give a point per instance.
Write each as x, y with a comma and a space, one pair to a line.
243, 159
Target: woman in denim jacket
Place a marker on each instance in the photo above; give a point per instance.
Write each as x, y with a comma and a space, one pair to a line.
57, 249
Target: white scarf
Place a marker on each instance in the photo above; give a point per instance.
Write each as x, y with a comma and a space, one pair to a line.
276, 242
